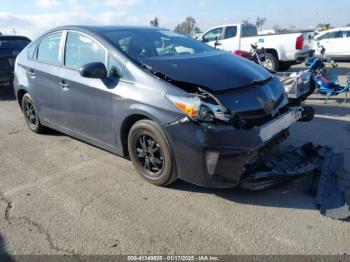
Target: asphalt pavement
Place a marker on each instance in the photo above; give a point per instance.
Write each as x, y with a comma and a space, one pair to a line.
62, 196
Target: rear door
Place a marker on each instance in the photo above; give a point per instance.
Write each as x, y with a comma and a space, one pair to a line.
43, 76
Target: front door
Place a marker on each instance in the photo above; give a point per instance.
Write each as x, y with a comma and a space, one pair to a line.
87, 102
214, 37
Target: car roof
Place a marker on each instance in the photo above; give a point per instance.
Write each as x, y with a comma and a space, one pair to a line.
104, 28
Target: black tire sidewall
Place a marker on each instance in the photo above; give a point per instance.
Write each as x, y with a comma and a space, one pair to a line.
35, 128
152, 129
274, 61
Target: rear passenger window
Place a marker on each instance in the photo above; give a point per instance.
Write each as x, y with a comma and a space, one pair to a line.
249, 30
81, 50
49, 50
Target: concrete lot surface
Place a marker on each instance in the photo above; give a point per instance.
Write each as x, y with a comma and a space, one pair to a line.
62, 196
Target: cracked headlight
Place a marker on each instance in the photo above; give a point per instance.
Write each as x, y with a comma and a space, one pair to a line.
197, 109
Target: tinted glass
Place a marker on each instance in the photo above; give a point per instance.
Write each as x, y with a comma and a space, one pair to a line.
14, 44
346, 33
248, 30
230, 32
116, 69
213, 35
81, 50
139, 43
49, 49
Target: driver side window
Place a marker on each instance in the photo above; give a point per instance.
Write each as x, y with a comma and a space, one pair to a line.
213, 35
81, 50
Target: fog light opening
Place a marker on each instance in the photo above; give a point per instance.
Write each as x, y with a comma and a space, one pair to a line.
212, 158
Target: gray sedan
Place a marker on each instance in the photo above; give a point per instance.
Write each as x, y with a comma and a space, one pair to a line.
176, 107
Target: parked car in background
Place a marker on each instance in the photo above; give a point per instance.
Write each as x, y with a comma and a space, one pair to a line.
283, 50
336, 42
177, 107
10, 47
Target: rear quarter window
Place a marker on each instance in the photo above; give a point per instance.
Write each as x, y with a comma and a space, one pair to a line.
248, 30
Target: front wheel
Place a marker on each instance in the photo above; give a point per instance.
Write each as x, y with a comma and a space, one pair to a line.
151, 154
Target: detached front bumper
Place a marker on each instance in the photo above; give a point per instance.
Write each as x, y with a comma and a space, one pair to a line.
217, 156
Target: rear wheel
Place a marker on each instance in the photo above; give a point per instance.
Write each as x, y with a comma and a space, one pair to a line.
151, 154
31, 115
271, 62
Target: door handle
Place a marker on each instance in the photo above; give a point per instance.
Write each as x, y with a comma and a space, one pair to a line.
64, 85
31, 73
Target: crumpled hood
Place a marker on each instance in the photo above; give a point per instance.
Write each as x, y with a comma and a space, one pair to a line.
216, 71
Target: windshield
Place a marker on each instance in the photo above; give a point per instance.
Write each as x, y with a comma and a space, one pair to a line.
146, 43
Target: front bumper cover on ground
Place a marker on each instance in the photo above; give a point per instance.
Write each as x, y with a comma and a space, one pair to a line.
323, 169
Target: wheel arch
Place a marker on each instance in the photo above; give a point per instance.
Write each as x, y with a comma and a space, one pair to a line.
125, 129
20, 93
273, 52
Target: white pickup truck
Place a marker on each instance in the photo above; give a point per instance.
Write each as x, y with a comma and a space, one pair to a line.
283, 50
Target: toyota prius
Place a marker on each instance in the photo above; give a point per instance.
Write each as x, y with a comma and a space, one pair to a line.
177, 108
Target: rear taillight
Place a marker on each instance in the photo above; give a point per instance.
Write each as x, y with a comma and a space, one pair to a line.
300, 43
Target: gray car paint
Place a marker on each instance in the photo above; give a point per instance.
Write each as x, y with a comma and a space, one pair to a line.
96, 112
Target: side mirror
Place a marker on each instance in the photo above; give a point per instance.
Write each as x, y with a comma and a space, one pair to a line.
93, 70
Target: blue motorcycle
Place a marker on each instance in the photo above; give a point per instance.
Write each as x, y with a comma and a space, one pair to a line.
324, 79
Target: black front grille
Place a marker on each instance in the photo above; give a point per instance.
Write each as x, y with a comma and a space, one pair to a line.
251, 119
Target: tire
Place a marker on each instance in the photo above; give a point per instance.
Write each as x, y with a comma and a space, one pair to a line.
151, 154
31, 115
271, 62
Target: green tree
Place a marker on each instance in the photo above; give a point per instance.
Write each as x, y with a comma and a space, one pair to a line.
154, 22
260, 21
188, 27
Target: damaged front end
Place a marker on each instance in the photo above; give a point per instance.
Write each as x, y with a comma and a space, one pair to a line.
231, 137
224, 132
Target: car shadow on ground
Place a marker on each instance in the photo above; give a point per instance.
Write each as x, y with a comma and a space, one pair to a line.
337, 99
7, 94
332, 110
4, 256
293, 194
